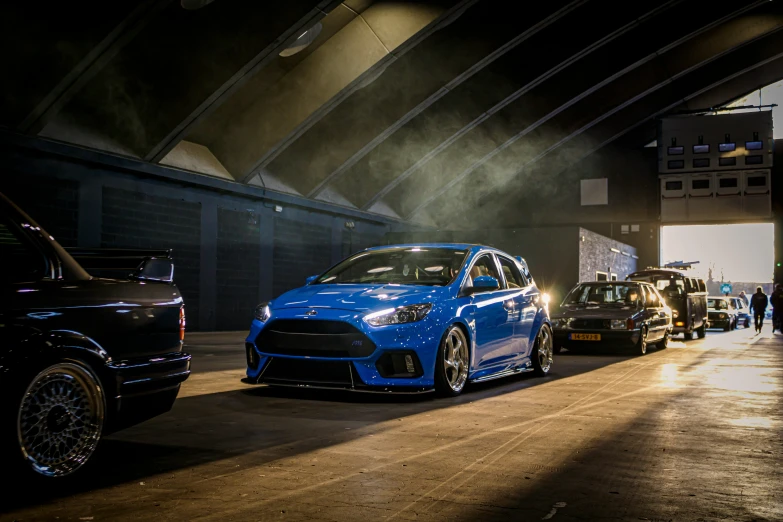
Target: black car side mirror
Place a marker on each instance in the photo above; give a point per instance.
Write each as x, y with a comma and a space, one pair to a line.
154, 269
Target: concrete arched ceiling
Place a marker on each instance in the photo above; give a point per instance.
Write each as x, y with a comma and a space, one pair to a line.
395, 107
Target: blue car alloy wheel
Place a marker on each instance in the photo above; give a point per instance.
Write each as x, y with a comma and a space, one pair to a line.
405, 319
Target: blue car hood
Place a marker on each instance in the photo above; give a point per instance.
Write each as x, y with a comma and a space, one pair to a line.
358, 297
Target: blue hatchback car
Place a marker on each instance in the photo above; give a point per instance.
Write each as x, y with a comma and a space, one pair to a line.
405, 318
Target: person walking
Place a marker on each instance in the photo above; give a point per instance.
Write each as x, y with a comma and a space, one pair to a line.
776, 300
744, 298
758, 304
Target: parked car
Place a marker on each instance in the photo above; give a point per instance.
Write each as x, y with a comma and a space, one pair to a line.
619, 314
743, 312
721, 313
406, 318
686, 296
80, 357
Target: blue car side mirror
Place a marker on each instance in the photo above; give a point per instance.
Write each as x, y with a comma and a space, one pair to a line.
483, 284
310, 279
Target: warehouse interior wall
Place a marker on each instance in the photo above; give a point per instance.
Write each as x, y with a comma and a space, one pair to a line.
231, 251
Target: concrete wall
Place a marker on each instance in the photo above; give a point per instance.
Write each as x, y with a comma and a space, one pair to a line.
231, 249
596, 254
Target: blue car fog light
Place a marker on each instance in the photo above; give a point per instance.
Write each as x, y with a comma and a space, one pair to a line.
252, 356
399, 365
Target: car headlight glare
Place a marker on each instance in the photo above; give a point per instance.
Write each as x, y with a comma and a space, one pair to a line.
561, 323
618, 324
675, 314
723, 316
263, 313
401, 315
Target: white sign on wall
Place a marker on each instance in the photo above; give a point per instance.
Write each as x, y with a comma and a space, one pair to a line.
595, 191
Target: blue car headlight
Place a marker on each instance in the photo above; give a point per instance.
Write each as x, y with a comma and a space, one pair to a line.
401, 315
263, 313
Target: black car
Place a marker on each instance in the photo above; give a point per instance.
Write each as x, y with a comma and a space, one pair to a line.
685, 295
79, 356
620, 314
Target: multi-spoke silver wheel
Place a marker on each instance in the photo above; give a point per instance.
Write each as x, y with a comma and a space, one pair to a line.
544, 351
455, 359
60, 419
451, 368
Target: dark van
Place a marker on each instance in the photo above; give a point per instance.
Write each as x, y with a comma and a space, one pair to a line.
686, 296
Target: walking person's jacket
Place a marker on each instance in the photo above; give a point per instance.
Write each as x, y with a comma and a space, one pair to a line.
758, 303
776, 300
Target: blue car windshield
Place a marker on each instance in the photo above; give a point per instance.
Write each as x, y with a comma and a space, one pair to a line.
400, 266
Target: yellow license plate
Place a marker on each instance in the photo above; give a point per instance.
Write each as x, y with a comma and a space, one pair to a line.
585, 337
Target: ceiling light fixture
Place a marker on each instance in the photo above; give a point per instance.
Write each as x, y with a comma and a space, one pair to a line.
305, 39
192, 5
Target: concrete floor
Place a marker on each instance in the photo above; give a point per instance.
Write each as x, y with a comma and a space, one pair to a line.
688, 433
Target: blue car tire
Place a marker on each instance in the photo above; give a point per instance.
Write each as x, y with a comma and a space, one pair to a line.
452, 363
542, 351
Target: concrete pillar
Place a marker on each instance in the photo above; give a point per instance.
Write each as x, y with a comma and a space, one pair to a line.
90, 213
266, 257
338, 223
208, 276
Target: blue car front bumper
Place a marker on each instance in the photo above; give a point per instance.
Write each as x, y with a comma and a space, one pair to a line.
337, 349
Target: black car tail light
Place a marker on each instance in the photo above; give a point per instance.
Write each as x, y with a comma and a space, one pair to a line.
399, 365
182, 323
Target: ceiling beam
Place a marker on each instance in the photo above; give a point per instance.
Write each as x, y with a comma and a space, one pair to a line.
670, 78
512, 98
259, 61
364, 79
556, 166
774, 75
91, 64
473, 70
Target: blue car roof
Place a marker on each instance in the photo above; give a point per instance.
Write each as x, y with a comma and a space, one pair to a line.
455, 246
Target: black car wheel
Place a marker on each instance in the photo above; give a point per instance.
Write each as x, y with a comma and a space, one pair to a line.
727, 327
542, 351
451, 366
747, 323
701, 332
664, 343
641, 344
60, 419
688, 335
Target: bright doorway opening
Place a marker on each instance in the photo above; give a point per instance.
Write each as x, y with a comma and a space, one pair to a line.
742, 254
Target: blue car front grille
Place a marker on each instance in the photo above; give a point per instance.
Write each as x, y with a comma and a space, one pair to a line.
281, 370
313, 338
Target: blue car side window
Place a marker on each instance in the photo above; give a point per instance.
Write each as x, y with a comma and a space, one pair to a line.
484, 266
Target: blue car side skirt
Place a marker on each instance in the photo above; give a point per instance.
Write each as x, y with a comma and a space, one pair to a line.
504, 373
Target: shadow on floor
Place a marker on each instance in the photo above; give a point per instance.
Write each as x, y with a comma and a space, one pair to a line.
261, 424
